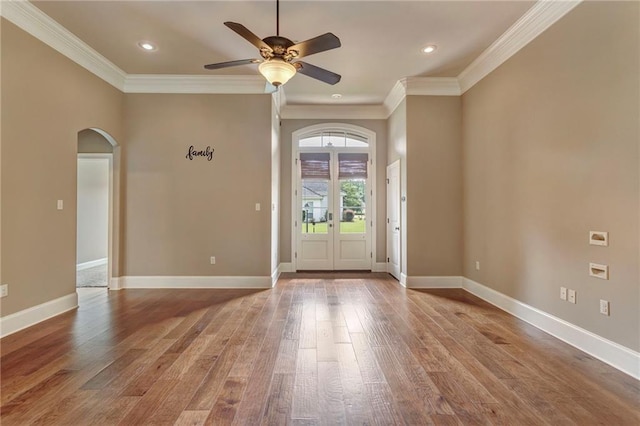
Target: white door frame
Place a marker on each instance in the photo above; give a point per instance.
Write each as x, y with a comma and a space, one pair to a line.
110, 206
396, 272
295, 150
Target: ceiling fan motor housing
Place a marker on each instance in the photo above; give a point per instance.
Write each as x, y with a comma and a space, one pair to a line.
279, 46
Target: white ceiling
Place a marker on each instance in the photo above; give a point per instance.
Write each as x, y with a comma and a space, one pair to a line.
381, 40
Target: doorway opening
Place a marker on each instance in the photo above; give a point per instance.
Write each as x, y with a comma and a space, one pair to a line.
333, 198
94, 209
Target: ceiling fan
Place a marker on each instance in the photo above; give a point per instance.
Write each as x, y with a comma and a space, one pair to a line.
278, 53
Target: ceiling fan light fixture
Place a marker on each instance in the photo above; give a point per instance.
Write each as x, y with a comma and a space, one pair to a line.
277, 71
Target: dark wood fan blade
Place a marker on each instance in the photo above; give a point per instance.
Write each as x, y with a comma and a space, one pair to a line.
317, 72
232, 64
314, 45
244, 32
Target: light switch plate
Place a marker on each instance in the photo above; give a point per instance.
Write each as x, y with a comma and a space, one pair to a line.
4, 290
257, 207
572, 296
60, 204
563, 293
604, 307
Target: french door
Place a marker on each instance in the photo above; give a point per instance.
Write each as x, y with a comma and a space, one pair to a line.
333, 223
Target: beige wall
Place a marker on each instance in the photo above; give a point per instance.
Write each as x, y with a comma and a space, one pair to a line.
286, 135
397, 151
434, 186
51, 100
551, 152
179, 212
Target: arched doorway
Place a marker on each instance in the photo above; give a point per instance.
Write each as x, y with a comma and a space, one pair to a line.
333, 198
95, 208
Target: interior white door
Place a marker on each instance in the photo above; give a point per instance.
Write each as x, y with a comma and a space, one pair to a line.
393, 219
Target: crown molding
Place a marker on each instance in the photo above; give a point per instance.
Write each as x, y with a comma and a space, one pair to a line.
432, 86
331, 112
420, 86
395, 96
194, 84
35, 22
534, 22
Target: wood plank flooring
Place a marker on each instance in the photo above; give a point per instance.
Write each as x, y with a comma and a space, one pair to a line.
353, 349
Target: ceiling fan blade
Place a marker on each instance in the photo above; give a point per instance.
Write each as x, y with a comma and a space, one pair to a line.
314, 45
232, 64
317, 72
244, 32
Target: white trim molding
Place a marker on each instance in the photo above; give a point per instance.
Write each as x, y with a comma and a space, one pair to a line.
193, 282
194, 84
434, 282
420, 86
334, 112
614, 354
534, 22
403, 279
32, 316
90, 264
35, 22
379, 267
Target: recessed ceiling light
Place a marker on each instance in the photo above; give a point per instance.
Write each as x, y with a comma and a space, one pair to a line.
336, 96
430, 49
145, 45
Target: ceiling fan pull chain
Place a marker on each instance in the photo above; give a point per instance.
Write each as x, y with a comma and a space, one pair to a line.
277, 17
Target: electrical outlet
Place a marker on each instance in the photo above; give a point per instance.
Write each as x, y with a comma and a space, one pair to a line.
563, 293
604, 307
477, 265
213, 260
4, 290
572, 296
60, 204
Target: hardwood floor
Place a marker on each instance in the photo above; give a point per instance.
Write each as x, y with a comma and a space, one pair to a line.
343, 349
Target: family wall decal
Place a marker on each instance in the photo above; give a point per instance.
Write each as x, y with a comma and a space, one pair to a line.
193, 153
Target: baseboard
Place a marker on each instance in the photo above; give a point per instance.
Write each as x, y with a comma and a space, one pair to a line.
434, 282
379, 267
193, 282
115, 283
403, 279
285, 267
31, 316
614, 354
91, 264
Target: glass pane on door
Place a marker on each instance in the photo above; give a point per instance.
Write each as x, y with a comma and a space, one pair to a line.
314, 207
353, 212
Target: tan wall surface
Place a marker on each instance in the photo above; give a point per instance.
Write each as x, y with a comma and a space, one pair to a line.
286, 134
397, 151
179, 212
46, 100
434, 186
551, 152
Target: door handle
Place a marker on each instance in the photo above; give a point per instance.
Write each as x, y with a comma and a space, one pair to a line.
397, 228
330, 216
331, 225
